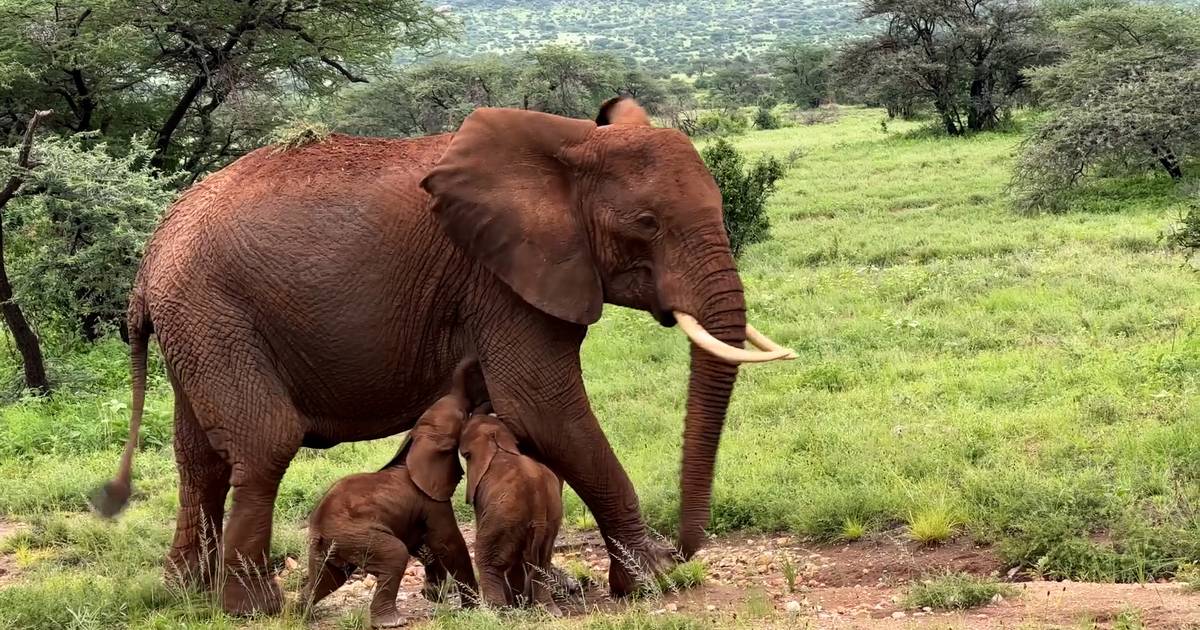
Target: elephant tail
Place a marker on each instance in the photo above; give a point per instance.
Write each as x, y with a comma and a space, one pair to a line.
111, 498
468, 383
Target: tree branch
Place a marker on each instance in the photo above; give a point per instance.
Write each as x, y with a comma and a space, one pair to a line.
14, 182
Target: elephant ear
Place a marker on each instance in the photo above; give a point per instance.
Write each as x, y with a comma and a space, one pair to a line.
432, 462
503, 193
495, 440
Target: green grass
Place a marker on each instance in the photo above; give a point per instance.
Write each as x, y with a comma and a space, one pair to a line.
1036, 376
956, 591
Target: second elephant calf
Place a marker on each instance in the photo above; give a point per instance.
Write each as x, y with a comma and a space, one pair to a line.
518, 511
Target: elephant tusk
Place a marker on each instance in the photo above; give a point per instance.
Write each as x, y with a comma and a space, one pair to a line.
703, 339
762, 342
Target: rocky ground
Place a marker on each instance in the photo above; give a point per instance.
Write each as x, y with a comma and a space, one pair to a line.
859, 585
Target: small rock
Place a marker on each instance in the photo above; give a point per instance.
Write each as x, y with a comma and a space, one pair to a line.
825, 616
369, 581
658, 612
672, 607
899, 614
926, 609
290, 563
710, 608
997, 598
792, 606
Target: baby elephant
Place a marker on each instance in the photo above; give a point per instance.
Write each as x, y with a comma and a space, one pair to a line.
378, 520
518, 510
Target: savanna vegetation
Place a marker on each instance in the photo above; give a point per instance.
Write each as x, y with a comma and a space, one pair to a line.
973, 223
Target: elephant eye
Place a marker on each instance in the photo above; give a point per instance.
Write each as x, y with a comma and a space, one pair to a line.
648, 221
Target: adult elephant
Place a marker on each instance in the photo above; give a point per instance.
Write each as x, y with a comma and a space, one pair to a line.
325, 293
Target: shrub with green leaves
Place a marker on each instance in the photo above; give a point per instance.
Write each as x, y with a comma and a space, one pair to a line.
1123, 101
744, 192
75, 239
720, 124
765, 118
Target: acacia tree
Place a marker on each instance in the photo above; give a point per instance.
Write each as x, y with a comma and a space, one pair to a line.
964, 56
1124, 97
801, 73
201, 77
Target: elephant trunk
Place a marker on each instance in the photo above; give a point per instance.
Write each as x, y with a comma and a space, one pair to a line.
722, 312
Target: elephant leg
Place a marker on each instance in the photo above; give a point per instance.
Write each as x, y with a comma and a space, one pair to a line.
436, 587
324, 578
449, 555
250, 420
203, 484
536, 385
494, 586
386, 560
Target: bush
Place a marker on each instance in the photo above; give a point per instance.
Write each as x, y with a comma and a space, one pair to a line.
76, 239
764, 118
744, 192
1185, 236
957, 591
720, 124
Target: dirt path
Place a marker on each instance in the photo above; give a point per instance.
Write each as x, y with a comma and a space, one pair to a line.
849, 586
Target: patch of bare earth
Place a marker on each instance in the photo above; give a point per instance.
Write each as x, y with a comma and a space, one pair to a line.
859, 585
8, 564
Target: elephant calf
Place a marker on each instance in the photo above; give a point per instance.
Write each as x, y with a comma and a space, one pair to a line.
377, 520
518, 511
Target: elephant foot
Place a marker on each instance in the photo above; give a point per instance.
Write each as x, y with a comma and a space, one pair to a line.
247, 594
388, 618
632, 569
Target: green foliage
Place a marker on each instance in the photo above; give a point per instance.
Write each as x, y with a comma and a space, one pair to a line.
802, 73
715, 123
207, 80
1185, 236
1122, 100
965, 59
956, 591
75, 240
765, 118
744, 192
436, 96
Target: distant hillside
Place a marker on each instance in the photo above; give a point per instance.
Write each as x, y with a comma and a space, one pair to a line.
673, 33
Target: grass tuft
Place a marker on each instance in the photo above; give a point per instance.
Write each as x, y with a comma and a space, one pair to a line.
956, 591
299, 133
932, 526
853, 530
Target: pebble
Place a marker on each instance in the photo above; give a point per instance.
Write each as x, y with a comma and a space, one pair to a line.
997, 598
792, 606
290, 563
369, 581
710, 608
926, 609
672, 607
899, 614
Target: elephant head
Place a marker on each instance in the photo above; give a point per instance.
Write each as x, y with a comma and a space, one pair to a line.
483, 437
571, 214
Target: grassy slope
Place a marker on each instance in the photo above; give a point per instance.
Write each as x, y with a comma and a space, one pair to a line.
1030, 380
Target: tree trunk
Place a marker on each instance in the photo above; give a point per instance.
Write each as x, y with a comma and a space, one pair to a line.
26, 339
1169, 161
982, 115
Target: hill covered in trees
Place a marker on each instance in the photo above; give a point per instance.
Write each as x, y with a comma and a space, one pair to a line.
672, 33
